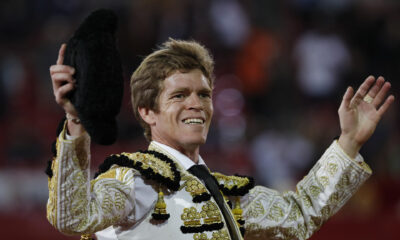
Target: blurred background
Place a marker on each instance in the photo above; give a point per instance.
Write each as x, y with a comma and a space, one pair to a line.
281, 70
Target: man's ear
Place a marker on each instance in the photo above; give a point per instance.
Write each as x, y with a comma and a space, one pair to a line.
147, 115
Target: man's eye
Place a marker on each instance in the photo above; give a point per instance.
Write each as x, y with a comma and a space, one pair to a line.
179, 96
204, 95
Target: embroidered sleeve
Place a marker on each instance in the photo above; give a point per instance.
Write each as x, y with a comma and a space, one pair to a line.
297, 215
77, 205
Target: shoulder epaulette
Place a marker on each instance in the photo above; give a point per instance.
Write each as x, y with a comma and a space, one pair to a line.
234, 185
151, 164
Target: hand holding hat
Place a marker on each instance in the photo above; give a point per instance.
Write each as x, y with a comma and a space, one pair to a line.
93, 62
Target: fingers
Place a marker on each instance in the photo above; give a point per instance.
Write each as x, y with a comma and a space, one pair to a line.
381, 95
60, 75
362, 91
62, 68
63, 81
61, 94
60, 58
63, 91
347, 98
376, 87
60, 79
385, 105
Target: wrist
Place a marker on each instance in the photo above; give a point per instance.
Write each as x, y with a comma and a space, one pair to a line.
74, 126
349, 145
73, 118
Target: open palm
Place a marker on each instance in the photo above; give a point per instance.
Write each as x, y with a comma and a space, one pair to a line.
360, 113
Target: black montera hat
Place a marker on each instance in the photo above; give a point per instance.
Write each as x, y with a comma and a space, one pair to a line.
98, 94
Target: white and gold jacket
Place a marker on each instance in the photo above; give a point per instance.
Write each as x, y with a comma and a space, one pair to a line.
151, 195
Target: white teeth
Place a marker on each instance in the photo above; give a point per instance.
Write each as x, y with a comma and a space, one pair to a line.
193, 121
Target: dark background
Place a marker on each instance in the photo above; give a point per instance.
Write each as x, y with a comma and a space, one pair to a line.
281, 70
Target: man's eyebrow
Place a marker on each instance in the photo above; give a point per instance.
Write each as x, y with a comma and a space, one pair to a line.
205, 90
177, 90
184, 89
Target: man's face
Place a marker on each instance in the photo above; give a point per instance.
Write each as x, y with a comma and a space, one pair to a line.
185, 110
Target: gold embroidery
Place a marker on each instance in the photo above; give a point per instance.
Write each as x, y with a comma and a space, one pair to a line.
324, 180
237, 211
109, 174
86, 237
81, 145
149, 161
123, 173
295, 213
209, 214
325, 212
53, 191
275, 212
200, 236
306, 200
231, 181
257, 231
365, 167
343, 182
219, 235
334, 198
332, 168
194, 187
191, 218
315, 191
306, 210
52, 202
256, 209
112, 198
109, 193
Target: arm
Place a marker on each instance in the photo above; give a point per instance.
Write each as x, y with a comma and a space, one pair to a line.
319, 195
332, 181
75, 204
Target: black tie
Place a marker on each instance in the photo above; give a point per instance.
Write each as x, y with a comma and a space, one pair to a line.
202, 173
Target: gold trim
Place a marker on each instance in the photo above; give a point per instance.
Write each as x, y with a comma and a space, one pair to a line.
230, 182
151, 162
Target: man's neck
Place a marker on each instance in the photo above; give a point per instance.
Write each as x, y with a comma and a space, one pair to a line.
194, 156
192, 152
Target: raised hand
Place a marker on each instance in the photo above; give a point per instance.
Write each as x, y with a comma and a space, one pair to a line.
63, 83
360, 113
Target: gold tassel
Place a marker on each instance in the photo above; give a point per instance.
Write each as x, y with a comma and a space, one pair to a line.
160, 209
238, 215
237, 210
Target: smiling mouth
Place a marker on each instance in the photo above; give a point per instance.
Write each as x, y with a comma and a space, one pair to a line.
193, 121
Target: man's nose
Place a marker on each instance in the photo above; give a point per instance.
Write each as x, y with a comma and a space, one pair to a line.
194, 102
